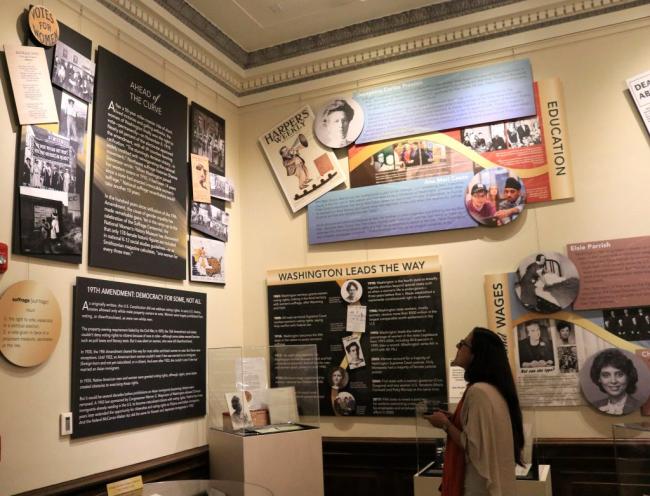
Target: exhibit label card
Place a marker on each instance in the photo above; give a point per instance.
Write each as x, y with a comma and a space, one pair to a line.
639, 86
30, 82
493, 93
614, 273
384, 371
138, 356
139, 188
303, 167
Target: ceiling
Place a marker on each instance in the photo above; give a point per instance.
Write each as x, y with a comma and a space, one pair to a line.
257, 24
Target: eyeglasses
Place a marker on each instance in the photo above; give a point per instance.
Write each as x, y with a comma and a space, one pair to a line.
462, 343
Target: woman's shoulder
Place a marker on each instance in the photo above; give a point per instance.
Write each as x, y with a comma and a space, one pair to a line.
482, 389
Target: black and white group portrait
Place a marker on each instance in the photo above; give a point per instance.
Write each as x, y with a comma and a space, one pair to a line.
208, 137
209, 220
221, 187
631, 324
73, 72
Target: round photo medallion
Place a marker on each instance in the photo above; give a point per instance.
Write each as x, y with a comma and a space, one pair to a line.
495, 197
339, 123
547, 282
615, 381
351, 291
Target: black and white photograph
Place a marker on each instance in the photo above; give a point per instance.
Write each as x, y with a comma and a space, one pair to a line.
534, 344
351, 291
221, 187
546, 282
210, 220
353, 352
208, 137
522, 133
338, 378
73, 72
48, 162
477, 138
238, 409
631, 324
615, 381
73, 118
345, 404
567, 357
339, 123
564, 333
207, 260
49, 226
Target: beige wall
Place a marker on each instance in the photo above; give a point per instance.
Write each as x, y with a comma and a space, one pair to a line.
611, 161
33, 453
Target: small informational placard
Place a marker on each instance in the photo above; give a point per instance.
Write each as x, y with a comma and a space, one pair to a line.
126, 487
251, 373
138, 356
356, 321
614, 273
486, 94
639, 86
30, 83
31, 323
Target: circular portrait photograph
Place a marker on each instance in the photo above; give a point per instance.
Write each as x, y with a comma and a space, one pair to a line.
339, 378
345, 404
495, 197
615, 381
339, 123
351, 291
546, 282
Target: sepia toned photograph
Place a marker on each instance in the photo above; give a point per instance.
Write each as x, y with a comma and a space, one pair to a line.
207, 258
338, 378
73, 72
238, 409
345, 404
200, 178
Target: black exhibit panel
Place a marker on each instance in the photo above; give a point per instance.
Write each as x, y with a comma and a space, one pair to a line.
138, 356
139, 188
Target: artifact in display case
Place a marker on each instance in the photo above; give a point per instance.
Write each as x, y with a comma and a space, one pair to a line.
632, 455
242, 400
533, 479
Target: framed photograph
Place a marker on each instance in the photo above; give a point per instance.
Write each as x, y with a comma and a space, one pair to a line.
50, 227
73, 72
238, 409
221, 187
207, 259
208, 137
210, 220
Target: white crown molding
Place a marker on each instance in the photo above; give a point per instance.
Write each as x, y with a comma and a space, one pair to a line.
437, 37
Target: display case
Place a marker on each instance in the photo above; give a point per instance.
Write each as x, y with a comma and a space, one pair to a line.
632, 456
263, 418
263, 390
532, 480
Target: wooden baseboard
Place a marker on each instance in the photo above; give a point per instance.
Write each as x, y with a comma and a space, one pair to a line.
189, 464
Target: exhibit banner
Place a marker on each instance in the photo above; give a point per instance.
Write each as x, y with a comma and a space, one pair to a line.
378, 330
138, 356
614, 273
492, 93
304, 169
639, 87
419, 184
546, 351
139, 188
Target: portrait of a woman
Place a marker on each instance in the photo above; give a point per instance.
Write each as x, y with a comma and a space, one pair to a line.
617, 377
485, 434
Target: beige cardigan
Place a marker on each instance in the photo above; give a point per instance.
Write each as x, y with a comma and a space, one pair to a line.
487, 441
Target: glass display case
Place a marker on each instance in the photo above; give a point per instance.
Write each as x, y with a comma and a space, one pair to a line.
263, 390
632, 456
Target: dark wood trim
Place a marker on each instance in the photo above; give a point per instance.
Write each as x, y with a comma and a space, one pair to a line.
189, 464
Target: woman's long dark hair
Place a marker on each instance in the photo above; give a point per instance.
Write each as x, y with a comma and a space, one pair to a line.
490, 364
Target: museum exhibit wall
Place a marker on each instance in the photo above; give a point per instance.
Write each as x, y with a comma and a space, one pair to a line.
33, 453
610, 158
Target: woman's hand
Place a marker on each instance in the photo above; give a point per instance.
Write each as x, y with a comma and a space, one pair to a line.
439, 418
